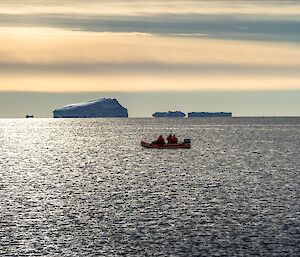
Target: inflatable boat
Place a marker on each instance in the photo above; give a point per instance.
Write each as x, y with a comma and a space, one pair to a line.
185, 144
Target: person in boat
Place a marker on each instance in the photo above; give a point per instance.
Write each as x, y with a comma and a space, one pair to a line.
160, 140
169, 138
174, 139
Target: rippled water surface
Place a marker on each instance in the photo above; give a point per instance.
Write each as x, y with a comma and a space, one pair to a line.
87, 188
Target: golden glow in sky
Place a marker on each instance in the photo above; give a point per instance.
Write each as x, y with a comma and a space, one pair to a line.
155, 46
151, 7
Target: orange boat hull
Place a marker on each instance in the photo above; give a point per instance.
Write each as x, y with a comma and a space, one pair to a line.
166, 146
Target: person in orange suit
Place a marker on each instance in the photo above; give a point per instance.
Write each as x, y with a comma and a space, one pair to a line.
174, 139
160, 140
169, 138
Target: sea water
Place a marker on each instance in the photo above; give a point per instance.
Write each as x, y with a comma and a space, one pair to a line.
85, 187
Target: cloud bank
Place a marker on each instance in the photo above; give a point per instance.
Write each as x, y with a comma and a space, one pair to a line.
227, 19
144, 46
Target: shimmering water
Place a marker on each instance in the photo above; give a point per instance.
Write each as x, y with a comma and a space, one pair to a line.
87, 188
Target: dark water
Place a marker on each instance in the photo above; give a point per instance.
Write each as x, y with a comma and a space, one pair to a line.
87, 188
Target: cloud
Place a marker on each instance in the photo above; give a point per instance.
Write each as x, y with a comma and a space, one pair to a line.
151, 68
56, 60
143, 82
150, 7
40, 46
116, 45
227, 19
258, 27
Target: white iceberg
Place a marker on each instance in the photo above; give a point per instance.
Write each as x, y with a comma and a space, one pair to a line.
169, 114
101, 108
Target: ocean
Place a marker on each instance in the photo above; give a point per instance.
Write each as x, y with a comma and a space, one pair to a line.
85, 187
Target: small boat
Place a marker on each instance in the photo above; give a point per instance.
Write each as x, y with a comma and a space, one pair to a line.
185, 144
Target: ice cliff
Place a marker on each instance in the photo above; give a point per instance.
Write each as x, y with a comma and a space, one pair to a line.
169, 114
209, 114
101, 108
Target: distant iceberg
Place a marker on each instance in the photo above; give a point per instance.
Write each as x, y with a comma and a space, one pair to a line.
209, 114
169, 114
101, 108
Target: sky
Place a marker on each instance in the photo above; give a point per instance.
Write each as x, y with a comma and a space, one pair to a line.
195, 55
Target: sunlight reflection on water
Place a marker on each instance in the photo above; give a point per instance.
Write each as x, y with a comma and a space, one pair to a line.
87, 188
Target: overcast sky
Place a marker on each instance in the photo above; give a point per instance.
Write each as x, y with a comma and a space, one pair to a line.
70, 47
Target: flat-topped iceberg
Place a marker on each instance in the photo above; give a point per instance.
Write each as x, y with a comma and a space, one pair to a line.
209, 114
169, 114
101, 108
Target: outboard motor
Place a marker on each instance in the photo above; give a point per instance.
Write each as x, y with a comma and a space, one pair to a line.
186, 141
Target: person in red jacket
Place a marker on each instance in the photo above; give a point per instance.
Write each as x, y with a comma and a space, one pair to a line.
174, 139
169, 138
160, 140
